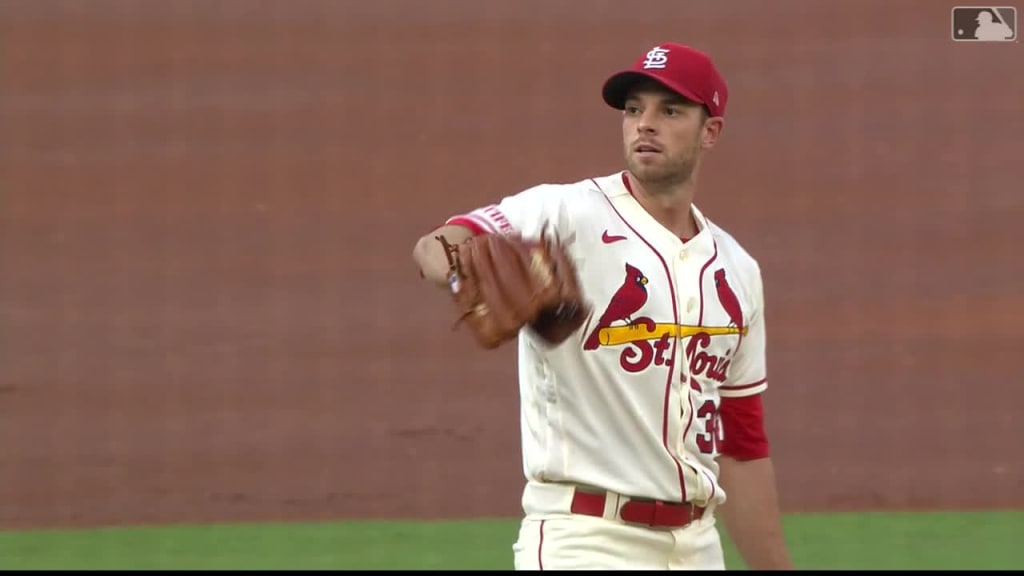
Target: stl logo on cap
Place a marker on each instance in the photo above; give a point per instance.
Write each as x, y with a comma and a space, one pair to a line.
656, 58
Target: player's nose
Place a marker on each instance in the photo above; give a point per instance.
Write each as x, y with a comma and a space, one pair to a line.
645, 126
646, 123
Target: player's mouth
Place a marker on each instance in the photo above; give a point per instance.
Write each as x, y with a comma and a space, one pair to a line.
645, 150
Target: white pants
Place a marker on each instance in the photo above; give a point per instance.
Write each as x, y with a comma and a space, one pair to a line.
551, 540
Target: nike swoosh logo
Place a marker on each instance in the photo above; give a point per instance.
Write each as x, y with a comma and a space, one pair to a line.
608, 238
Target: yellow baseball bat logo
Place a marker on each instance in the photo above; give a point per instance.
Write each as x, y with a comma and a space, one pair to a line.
618, 335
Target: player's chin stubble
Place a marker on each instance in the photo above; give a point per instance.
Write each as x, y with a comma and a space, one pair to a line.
662, 175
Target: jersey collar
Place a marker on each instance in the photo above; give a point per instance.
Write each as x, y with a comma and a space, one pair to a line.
698, 216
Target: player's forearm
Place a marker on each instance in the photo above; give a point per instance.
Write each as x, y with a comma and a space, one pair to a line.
430, 256
751, 513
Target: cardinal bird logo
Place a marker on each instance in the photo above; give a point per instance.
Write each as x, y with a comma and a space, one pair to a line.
628, 299
728, 299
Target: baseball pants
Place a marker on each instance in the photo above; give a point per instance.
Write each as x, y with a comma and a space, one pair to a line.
553, 539
574, 542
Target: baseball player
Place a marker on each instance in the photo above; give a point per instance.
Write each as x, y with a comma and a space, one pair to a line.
647, 423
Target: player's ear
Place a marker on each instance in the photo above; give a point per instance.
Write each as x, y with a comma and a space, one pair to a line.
712, 130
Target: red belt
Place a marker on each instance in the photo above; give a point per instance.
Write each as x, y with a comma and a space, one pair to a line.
650, 512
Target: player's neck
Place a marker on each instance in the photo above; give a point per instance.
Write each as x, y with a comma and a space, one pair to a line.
669, 205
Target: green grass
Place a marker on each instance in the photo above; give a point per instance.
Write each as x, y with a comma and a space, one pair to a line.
947, 540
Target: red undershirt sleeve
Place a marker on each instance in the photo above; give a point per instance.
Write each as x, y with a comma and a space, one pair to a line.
475, 226
743, 435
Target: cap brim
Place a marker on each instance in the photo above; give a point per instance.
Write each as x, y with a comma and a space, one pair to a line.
617, 87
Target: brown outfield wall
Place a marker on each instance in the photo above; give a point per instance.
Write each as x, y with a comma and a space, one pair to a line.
209, 307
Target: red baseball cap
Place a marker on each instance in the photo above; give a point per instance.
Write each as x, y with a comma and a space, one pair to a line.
683, 69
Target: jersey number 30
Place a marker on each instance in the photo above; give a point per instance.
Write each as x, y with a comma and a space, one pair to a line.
707, 440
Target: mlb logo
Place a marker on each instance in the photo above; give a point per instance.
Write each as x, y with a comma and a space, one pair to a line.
984, 24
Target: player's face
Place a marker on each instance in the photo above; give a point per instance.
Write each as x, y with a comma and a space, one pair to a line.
664, 134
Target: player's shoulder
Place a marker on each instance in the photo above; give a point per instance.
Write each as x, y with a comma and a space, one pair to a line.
582, 189
733, 251
572, 201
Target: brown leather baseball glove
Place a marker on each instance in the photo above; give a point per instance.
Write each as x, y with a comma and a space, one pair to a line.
501, 283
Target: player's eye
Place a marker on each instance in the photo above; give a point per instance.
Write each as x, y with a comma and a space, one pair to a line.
672, 111
632, 110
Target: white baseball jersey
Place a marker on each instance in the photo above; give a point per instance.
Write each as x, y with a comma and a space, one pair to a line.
630, 402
